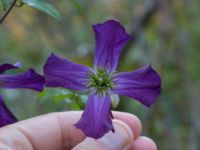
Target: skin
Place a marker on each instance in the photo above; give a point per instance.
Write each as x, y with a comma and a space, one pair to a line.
55, 131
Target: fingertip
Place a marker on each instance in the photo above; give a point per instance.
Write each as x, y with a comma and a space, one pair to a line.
144, 143
131, 120
122, 138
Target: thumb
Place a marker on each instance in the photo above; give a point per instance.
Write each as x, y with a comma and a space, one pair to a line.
121, 139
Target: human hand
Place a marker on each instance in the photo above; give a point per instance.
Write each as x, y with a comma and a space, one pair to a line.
56, 131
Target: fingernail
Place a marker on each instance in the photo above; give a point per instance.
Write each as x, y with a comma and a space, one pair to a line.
121, 139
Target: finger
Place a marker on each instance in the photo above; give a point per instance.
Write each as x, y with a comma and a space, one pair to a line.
53, 131
121, 139
130, 119
144, 143
76, 137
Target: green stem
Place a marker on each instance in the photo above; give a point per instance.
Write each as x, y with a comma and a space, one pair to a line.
77, 99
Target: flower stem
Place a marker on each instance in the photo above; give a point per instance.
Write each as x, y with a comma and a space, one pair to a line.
77, 100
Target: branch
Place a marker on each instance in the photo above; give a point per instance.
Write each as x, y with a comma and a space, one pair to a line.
8, 11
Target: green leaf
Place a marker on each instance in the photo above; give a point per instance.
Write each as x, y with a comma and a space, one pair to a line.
5, 4
62, 97
49, 92
44, 7
75, 106
75, 101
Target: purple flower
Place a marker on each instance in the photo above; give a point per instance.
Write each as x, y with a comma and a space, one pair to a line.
30, 79
6, 117
143, 84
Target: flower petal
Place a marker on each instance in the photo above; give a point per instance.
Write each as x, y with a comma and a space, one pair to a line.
5, 67
110, 38
60, 72
30, 79
6, 117
96, 119
143, 85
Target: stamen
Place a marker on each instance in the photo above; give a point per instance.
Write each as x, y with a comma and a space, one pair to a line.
101, 81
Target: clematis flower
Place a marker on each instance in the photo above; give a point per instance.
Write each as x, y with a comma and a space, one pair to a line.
6, 117
30, 79
103, 80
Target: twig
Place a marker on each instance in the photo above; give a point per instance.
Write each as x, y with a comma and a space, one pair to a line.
8, 11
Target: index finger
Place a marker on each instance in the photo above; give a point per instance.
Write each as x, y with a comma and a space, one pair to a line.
54, 131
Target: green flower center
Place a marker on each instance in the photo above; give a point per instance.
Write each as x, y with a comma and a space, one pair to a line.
101, 81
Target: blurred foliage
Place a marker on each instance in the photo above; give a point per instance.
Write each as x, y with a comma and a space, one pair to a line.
169, 41
5, 4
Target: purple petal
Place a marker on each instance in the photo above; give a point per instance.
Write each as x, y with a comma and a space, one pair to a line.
5, 67
110, 38
60, 72
30, 79
96, 119
143, 85
6, 117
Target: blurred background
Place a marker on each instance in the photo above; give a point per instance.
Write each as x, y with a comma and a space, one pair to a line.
166, 35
